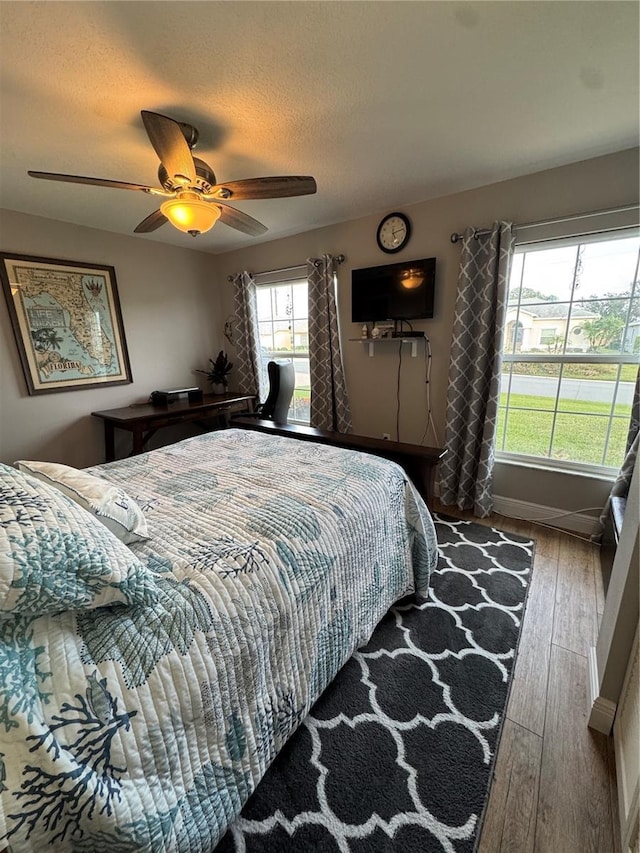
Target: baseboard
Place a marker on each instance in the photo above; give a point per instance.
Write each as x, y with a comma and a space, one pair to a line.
585, 525
577, 522
601, 711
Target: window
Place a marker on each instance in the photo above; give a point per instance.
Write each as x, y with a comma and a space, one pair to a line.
571, 351
548, 336
283, 320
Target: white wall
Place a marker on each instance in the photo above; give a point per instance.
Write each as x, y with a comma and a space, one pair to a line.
590, 185
171, 316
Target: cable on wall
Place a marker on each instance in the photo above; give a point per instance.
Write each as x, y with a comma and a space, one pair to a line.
540, 522
398, 393
428, 358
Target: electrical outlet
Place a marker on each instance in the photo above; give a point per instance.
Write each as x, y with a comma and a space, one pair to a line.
386, 436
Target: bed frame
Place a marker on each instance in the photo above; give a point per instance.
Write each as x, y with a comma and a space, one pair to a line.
418, 461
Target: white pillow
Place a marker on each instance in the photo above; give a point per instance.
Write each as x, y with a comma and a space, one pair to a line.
109, 503
55, 557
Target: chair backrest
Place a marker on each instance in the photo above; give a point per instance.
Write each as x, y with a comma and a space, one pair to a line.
282, 380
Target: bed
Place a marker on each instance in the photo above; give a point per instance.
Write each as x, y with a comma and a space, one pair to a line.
146, 686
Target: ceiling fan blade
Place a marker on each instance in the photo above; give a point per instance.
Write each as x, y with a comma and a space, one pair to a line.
153, 221
240, 221
96, 182
275, 187
170, 146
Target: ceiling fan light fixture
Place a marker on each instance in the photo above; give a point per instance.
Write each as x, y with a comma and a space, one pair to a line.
411, 278
191, 215
194, 199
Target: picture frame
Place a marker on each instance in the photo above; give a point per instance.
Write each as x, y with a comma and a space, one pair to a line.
67, 323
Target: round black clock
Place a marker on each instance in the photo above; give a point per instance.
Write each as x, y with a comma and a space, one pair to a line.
393, 232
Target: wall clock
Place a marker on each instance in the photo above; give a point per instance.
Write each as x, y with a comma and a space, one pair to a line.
393, 232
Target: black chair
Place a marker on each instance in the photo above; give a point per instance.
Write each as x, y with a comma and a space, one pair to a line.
282, 381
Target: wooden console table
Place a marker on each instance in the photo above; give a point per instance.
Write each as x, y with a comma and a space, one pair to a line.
418, 461
142, 421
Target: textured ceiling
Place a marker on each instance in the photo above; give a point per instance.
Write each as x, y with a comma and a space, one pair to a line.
384, 103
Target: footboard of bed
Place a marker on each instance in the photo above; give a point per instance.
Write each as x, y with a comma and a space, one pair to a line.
418, 461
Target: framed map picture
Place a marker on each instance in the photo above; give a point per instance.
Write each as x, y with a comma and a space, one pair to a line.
67, 321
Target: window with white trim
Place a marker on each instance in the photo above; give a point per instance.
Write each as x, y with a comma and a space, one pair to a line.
283, 321
571, 351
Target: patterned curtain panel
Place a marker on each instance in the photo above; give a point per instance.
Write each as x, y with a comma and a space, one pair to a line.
622, 482
329, 401
466, 472
247, 361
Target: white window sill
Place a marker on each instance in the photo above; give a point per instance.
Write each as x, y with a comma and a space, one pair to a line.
575, 469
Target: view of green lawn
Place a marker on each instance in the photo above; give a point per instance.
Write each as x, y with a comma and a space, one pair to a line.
628, 372
301, 404
580, 429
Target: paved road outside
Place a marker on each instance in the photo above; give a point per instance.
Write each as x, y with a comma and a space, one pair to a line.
591, 390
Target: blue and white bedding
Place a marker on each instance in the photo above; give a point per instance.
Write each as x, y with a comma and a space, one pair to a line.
142, 716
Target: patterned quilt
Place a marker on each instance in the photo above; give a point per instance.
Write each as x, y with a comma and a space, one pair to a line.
145, 724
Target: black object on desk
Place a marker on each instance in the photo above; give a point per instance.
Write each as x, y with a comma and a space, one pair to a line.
163, 398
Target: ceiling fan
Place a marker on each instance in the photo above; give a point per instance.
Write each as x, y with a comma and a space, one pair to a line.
194, 201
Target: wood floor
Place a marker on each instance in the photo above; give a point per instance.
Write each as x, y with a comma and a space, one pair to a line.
554, 788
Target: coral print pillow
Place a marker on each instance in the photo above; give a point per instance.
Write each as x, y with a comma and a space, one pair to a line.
56, 556
109, 503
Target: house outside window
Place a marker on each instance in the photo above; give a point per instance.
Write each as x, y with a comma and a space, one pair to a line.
571, 352
283, 321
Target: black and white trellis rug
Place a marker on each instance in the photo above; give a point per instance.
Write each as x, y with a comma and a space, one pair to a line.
397, 755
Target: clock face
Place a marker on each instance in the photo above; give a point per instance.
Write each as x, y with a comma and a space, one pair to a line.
393, 232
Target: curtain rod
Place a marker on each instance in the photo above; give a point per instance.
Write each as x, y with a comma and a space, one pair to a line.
456, 238
339, 259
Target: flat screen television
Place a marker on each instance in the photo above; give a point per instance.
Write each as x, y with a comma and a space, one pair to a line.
402, 291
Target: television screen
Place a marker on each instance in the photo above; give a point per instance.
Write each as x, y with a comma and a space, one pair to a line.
403, 291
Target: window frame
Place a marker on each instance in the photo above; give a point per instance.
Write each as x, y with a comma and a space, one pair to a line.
296, 275
564, 358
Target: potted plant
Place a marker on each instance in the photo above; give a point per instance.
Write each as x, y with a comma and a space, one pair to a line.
217, 373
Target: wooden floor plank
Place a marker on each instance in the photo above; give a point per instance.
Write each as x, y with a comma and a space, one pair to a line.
519, 526
547, 541
598, 581
576, 623
528, 698
511, 814
574, 807
576, 810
